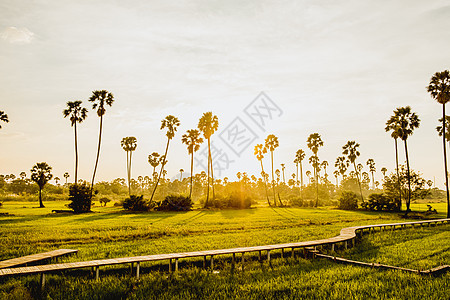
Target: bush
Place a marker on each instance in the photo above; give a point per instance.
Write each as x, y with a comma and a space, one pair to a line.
348, 200
379, 202
234, 200
104, 201
175, 203
80, 195
136, 203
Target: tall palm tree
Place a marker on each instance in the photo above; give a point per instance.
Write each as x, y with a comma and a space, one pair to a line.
208, 124
181, 174
393, 125
383, 171
41, 174
3, 117
271, 143
129, 144
299, 157
314, 141
351, 150
439, 88
193, 140
171, 123
260, 150
408, 121
447, 129
341, 164
324, 165
336, 175
77, 115
283, 167
371, 163
99, 100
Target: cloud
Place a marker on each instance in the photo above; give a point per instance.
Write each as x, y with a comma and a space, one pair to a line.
15, 35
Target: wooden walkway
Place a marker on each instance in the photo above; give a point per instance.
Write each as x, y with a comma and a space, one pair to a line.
347, 235
24, 260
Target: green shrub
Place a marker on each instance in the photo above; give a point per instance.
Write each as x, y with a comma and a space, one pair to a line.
380, 201
80, 195
348, 200
234, 200
175, 203
104, 201
136, 203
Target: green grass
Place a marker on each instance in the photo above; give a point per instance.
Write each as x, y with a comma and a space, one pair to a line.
110, 232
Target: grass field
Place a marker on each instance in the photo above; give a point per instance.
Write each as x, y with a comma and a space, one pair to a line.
110, 232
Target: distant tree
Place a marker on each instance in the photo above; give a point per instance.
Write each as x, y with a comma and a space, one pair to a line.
208, 124
66, 175
324, 165
23, 175
171, 123
299, 157
371, 164
439, 88
308, 174
99, 100
341, 164
383, 171
77, 115
181, 174
57, 179
408, 121
154, 160
351, 151
271, 143
260, 150
129, 144
447, 129
3, 117
193, 140
283, 167
41, 174
314, 141
336, 175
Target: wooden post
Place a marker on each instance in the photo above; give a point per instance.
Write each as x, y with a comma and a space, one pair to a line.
176, 264
282, 252
233, 260
259, 252
131, 268
332, 247
345, 245
204, 262
292, 252
268, 256
42, 281
137, 269
243, 261
212, 262
170, 265
97, 273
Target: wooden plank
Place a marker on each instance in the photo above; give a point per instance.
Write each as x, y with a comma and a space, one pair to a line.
35, 258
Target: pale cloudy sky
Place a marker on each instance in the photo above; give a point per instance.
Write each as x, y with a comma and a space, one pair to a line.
338, 68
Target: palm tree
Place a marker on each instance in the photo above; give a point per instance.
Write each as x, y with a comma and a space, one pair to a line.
371, 163
193, 140
154, 159
66, 175
77, 115
324, 165
383, 171
271, 143
393, 125
181, 174
439, 88
41, 174
351, 150
299, 157
260, 150
129, 144
341, 164
3, 117
57, 179
314, 142
99, 100
171, 123
336, 175
283, 167
308, 174
408, 121
208, 124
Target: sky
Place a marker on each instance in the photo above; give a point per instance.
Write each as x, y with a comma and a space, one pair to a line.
338, 68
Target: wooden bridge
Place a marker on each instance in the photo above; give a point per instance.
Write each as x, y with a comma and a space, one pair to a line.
346, 237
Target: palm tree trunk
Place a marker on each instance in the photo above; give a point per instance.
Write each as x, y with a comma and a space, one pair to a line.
192, 170
301, 180
207, 178
212, 172
273, 181
265, 183
162, 168
129, 175
98, 153
373, 181
317, 187
398, 174
445, 160
41, 205
408, 202
76, 154
359, 183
